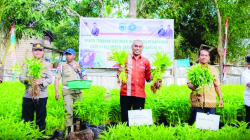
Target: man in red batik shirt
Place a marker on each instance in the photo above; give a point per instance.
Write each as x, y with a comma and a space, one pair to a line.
138, 70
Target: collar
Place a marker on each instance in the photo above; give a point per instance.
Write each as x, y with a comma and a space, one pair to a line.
38, 59
134, 56
72, 63
204, 65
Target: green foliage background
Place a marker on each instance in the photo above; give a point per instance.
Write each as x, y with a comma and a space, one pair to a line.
180, 132
172, 102
11, 126
195, 21
97, 107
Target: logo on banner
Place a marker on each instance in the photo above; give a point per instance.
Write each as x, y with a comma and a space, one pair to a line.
132, 27
122, 26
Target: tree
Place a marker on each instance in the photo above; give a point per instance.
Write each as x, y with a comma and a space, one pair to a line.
202, 22
66, 35
220, 48
132, 8
30, 18
22, 14
113, 8
196, 21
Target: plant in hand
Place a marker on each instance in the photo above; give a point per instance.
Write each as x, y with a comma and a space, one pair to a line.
120, 57
35, 68
200, 75
161, 63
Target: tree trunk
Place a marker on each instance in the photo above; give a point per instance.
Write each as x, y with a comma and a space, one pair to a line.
132, 9
101, 9
220, 41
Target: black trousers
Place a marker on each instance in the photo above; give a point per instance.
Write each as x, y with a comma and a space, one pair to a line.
248, 115
30, 106
127, 102
201, 110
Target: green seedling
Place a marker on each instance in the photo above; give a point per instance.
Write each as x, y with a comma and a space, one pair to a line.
120, 57
200, 75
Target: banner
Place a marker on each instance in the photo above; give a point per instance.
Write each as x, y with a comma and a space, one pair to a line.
98, 36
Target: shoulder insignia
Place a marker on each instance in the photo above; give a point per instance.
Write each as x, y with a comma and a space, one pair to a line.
78, 67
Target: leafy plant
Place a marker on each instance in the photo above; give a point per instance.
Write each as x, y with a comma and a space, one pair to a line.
35, 68
171, 104
17, 67
180, 132
161, 63
94, 108
120, 57
200, 75
12, 127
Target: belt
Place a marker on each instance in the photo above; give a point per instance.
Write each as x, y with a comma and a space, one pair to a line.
76, 91
66, 87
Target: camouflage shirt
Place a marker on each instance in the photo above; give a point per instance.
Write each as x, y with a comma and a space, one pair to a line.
65, 72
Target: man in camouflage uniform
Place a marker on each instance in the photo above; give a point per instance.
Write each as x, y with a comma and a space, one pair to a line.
30, 105
1, 72
70, 70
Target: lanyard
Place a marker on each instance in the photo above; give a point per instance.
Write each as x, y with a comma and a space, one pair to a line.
78, 74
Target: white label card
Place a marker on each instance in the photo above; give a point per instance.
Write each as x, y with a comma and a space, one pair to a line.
140, 117
205, 121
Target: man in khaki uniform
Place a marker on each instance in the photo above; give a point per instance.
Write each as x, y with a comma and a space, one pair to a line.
1, 72
36, 105
205, 100
70, 70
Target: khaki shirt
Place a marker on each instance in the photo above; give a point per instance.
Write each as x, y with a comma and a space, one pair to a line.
47, 78
1, 72
65, 72
206, 95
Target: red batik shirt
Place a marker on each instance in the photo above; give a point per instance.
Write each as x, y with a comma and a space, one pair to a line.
137, 71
